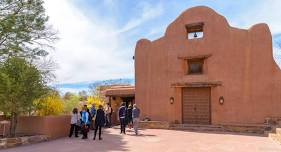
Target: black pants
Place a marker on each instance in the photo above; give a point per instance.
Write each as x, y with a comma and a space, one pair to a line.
98, 127
85, 131
123, 125
74, 128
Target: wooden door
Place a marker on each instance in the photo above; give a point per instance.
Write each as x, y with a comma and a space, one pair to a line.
196, 105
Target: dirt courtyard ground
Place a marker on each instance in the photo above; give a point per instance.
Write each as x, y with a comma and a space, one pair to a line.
154, 140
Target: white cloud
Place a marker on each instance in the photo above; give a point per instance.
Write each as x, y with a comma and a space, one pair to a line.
87, 49
148, 12
73, 90
264, 11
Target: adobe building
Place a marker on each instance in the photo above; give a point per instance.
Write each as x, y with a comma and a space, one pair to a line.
203, 71
116, 95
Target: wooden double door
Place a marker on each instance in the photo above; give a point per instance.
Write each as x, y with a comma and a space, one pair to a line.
196, 105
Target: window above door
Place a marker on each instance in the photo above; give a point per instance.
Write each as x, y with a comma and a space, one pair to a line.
195, 66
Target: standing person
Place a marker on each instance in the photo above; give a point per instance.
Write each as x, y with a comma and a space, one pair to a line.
122, 117
99, 122
90, 117
108, 112
110, 115
93, 110
129, 117
75, 117
136, 118
85, 122
93, 113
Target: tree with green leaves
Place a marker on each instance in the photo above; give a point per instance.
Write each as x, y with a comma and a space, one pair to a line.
20, 84
71, 101
23, 29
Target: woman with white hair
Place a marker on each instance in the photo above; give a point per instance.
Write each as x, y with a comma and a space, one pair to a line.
136, 119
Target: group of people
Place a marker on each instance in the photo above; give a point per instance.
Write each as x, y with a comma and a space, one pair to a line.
96, 119
88, 119
129, 117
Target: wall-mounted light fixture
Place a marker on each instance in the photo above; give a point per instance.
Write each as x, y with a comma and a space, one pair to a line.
172, 100
221, 100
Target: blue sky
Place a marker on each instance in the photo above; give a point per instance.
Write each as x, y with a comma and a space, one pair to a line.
97, 37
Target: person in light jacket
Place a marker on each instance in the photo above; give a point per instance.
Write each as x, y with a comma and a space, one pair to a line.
74, 123
99, 122
108, 113
136, 118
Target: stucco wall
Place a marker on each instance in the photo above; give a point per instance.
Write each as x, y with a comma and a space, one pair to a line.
241, 59
53, 126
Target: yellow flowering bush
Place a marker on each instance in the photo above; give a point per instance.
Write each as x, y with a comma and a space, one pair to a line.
49, 105
96, 100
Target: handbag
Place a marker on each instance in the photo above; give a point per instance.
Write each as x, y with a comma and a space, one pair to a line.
85, 128
130, 125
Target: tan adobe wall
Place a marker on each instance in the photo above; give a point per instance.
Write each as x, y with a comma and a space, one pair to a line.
53, 126
242, 60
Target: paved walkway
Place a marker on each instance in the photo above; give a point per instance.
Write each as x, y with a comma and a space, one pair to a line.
157, 141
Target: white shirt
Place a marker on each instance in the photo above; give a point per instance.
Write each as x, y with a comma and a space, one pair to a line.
74, 118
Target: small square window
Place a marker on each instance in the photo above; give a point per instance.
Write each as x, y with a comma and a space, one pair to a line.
195, 31
195, 66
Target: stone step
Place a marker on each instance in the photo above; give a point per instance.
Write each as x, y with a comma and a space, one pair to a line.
278, 131
275, 137
238, 128
195, 127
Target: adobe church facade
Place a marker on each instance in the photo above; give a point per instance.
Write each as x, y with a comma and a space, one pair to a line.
203, 71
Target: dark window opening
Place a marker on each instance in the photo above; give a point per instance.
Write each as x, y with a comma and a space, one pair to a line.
195, 66
195, 30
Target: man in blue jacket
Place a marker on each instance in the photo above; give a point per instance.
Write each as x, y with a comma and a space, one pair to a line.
122, 117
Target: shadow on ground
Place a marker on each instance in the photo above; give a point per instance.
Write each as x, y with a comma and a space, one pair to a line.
111, 142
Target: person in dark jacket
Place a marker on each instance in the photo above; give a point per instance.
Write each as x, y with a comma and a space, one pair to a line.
122, 117
99, 122
129, 117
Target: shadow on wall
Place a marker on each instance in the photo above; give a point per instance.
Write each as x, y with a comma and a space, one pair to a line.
111, 142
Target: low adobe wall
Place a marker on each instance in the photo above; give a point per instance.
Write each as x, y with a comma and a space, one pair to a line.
154, 125
52, 126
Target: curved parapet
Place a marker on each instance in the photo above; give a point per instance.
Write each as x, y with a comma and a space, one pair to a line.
195, 15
